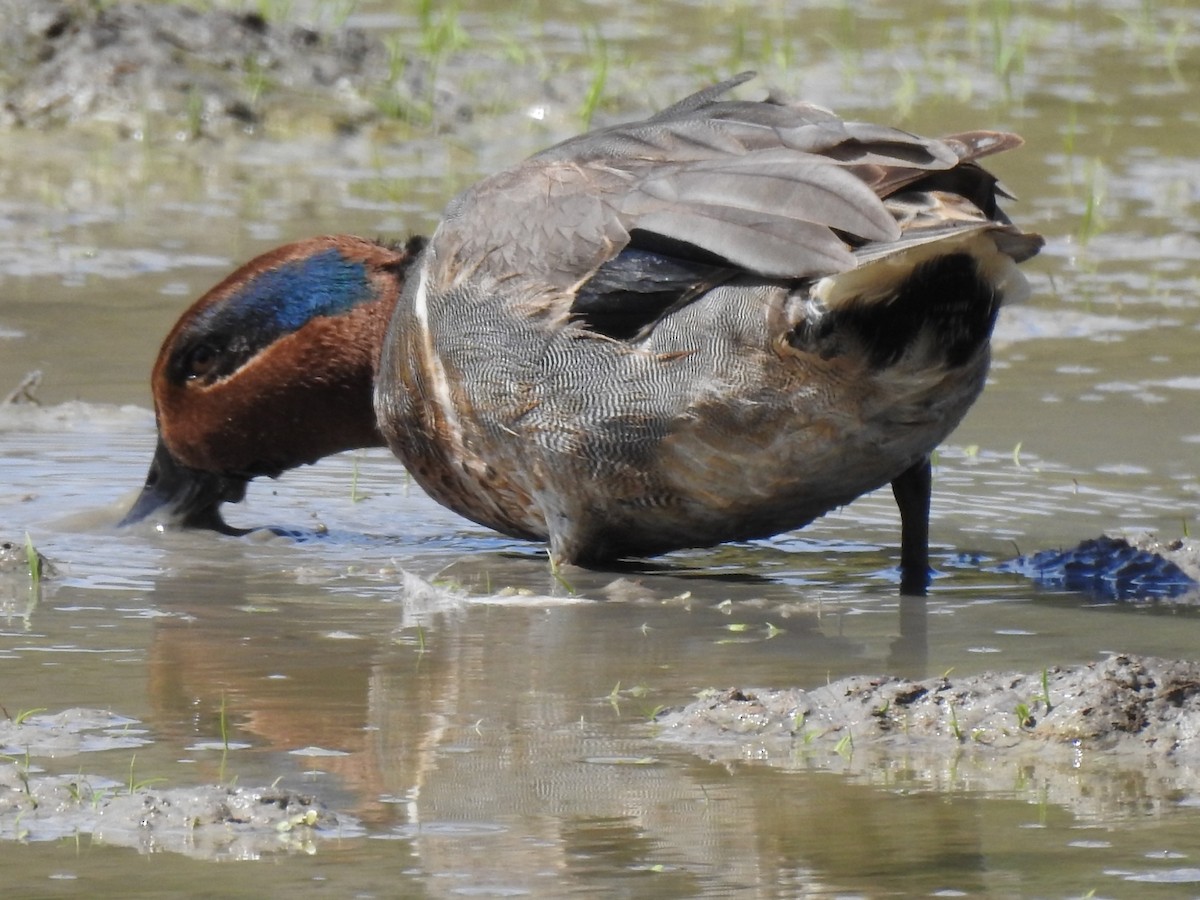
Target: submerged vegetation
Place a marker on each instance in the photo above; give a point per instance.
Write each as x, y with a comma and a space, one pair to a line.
34, 561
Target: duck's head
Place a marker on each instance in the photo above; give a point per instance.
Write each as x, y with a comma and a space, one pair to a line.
271, 369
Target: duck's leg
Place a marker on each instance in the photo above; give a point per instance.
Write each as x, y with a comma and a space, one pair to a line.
912, 489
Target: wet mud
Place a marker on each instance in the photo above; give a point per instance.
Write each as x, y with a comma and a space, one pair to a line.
167, 70
208, 72
1132, 716
208, 821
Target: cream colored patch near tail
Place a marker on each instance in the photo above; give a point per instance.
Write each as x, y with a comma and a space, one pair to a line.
880, 276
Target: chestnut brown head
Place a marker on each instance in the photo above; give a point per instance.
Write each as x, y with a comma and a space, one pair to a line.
271, 369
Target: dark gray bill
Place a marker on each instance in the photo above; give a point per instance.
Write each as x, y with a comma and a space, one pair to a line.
177, 496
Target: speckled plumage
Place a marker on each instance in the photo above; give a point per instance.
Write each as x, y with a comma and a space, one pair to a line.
716, 324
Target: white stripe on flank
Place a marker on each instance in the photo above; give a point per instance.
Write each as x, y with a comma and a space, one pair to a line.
435, 372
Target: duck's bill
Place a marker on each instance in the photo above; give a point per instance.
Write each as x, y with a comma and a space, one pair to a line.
177, 496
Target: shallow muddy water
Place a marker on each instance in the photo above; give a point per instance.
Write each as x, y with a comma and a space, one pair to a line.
481, 728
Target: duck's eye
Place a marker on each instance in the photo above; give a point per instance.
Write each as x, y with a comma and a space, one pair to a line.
200, 361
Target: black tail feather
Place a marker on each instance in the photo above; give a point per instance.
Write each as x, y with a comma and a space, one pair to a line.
946, 297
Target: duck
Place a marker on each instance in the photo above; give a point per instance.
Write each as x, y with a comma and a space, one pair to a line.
714, 324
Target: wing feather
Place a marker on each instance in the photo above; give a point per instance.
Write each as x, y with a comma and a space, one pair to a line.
781, 190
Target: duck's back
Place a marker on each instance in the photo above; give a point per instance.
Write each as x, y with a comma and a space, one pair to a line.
713, 325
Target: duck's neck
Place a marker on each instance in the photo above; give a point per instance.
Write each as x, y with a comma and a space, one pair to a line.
390, 274
354, 345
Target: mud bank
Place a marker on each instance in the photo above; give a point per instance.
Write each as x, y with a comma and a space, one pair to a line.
208, 72
1124, 717
206, 821
165, 70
